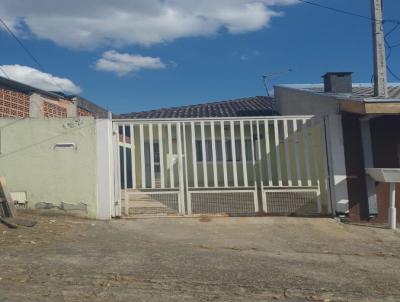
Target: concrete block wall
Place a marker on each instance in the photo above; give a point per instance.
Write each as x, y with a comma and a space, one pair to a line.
22, 105
13, 103
83, 112
53, 110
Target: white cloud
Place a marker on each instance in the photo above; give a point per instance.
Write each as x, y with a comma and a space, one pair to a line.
89, 24
39, 79
123, 63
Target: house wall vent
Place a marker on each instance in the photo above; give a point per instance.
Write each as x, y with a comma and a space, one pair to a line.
338, 82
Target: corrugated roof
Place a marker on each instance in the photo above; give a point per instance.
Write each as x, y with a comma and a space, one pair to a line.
251, 106
360, 91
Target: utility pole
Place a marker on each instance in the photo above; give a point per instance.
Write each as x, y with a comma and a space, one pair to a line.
380, 75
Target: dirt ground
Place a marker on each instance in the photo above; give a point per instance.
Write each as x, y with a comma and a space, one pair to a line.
191, 259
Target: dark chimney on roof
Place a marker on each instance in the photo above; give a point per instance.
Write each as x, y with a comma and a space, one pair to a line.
338, 82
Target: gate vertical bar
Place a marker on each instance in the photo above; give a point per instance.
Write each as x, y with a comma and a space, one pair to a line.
186, 176
256, 208
151, 147
142, 157
133, 157
296, 138
268, 152
259, 167
161, 155
277, 152
180, 169
204, 154
171, 153
194, 154
126, 196
287, 152
233, 146
214, 154
306, 152
223, 147
244, 159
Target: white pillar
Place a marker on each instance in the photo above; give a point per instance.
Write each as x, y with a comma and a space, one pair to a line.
35, 101
392, 206
105, 169
72, 109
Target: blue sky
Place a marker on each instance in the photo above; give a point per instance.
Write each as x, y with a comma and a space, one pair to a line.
177, 62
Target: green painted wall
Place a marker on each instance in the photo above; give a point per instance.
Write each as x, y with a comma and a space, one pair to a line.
30, 162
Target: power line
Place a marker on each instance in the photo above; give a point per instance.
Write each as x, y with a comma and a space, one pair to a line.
338, 10
390, 48
388, 45
345, 12
21, 44
10, 32
4, 72
393, 74
386, 38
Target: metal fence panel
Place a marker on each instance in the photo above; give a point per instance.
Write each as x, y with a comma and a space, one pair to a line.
217, 166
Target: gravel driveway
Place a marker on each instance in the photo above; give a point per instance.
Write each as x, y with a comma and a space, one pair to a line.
191, 259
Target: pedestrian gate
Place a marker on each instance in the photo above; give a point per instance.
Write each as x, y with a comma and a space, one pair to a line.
242, 166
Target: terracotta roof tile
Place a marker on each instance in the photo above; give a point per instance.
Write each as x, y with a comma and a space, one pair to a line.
251, 106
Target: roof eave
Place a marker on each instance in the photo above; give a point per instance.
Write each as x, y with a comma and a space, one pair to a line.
370, 106
238, 118
355, 104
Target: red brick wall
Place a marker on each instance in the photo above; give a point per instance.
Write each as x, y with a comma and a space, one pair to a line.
83, 112
385, 145
13, 104
354, 160
17, 104
385, 137
53, 110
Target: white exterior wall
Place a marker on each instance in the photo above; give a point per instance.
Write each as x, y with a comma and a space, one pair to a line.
292, 101
105, 168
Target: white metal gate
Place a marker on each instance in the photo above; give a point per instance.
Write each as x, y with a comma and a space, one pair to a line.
242, 166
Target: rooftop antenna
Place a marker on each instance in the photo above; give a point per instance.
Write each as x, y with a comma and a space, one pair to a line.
266, 77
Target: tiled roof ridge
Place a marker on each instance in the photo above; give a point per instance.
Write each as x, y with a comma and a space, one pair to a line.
203, 104
233, 107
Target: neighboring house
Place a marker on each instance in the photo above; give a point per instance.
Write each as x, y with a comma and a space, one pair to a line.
22, 101
363, 132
